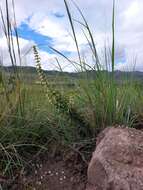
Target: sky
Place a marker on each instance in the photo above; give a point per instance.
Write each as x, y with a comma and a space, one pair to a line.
45, 24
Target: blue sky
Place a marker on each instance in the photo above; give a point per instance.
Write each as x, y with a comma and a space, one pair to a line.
46, 24
59, 15
42, 41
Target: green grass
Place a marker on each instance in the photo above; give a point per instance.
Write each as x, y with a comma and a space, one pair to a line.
36, 117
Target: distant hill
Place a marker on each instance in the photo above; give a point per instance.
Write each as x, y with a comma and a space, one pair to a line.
32, 70
31, 73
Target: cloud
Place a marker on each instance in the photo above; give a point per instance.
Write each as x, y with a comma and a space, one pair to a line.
56, 28
27, 56
24, 46
49, 19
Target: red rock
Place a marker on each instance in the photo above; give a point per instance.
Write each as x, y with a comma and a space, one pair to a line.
117, 163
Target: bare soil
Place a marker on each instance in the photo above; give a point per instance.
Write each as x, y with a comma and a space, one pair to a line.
51, 173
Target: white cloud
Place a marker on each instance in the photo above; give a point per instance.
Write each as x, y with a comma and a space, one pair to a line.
24, 46
133, 9
49, 27
57, 30
129, 24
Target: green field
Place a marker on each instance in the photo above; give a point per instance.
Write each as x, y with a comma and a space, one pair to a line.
31, 120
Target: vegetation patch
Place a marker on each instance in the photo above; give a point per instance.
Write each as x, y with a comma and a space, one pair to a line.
58, 115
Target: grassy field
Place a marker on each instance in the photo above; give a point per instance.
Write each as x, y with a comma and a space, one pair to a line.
36, 123
44, 115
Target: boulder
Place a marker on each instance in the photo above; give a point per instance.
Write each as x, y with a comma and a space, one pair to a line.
117, 163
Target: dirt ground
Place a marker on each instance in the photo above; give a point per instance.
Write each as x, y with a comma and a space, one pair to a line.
47, 173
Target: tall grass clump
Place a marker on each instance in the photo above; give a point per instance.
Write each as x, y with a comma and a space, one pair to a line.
9, 27
103, 101
26, 124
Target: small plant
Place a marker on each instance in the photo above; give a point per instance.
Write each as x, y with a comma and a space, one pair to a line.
61, 102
